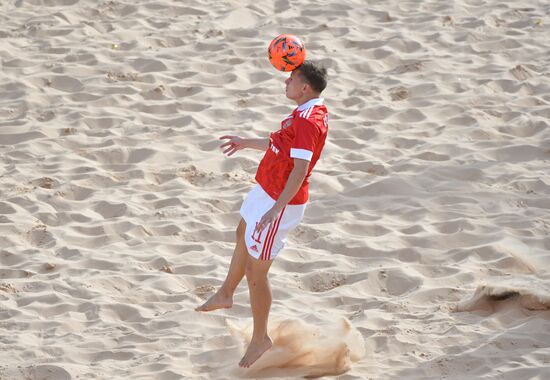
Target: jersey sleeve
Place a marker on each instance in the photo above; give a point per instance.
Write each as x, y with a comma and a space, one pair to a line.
305, 139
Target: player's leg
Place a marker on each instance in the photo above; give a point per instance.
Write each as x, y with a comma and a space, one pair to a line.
272, 242
237, 267
223, 298
260, 302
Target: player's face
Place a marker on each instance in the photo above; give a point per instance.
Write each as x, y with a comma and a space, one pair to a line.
294, 86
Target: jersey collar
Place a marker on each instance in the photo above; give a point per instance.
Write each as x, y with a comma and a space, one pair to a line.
311, 103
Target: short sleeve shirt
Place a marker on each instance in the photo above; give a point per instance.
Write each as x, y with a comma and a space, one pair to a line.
302, 135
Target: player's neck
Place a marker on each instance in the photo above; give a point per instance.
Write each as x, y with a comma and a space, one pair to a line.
306, 98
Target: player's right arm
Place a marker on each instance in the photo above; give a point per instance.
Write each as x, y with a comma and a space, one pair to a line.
235, 143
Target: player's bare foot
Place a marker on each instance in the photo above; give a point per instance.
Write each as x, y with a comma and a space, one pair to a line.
217, 301
254, 351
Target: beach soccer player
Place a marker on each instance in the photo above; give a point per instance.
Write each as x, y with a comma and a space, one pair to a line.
276, 205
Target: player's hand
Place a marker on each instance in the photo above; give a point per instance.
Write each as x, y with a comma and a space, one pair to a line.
233, 144
268, 218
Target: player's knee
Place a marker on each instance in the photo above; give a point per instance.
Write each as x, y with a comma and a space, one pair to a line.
249, 271
253, 271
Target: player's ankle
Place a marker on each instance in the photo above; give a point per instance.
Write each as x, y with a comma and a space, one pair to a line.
260, 338
226, 292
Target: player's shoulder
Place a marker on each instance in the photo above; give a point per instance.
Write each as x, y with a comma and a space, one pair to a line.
312, 110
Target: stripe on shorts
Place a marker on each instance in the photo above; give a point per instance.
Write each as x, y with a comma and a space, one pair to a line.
268, 245
266, 239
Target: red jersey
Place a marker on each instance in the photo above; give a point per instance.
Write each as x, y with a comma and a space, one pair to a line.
302, 135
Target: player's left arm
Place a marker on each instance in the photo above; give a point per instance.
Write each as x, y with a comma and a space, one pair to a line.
293, 184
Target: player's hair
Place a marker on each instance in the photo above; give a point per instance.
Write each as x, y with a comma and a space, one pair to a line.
314, 74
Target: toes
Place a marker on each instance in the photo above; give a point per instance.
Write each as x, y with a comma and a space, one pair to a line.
202, 308
244, 363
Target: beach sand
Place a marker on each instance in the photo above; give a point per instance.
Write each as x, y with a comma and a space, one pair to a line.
425, 249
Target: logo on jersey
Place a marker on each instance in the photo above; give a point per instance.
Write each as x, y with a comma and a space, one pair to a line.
287, 122
274, 149
254, 248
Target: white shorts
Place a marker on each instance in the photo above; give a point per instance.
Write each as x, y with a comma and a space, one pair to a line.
266, 245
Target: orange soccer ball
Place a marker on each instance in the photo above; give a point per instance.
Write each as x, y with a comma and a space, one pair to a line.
286, 52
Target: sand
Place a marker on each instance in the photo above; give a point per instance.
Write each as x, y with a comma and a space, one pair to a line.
425, 249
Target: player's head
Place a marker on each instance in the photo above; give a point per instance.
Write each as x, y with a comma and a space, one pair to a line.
314, 75
307, 81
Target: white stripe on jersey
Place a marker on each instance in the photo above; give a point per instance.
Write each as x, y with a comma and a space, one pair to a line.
304, 154
309, 113
305, 113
